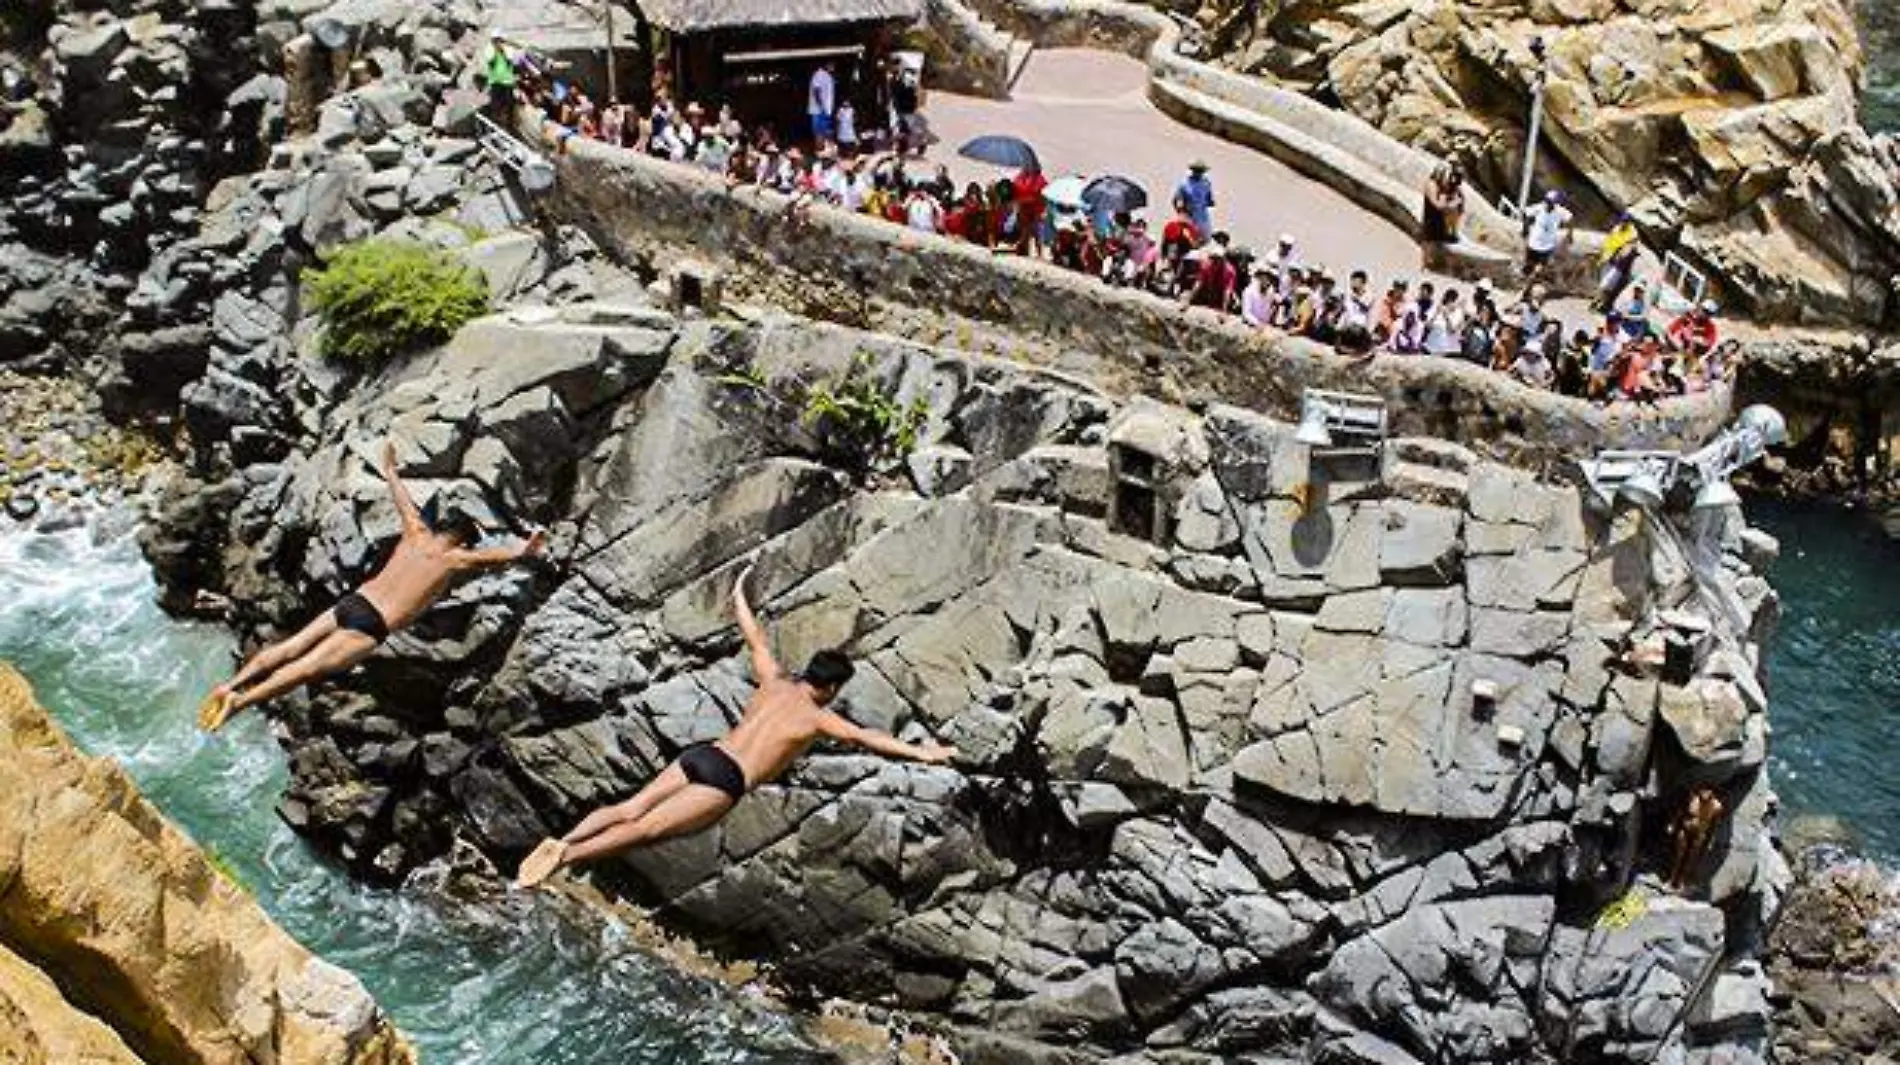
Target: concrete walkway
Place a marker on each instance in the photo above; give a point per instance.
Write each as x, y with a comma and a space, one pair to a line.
1087, 112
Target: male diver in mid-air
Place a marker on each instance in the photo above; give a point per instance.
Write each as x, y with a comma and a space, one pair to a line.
784, 717
419, 570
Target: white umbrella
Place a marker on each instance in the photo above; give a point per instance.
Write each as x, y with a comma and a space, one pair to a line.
1066, 193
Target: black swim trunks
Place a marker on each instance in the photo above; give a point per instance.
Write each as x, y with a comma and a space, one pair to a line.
705, 763
357, 614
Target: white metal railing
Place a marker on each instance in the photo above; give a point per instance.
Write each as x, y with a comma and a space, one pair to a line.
529, 166
1683, 286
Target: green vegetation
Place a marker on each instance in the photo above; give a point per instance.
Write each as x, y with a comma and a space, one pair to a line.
856, 422
380, 299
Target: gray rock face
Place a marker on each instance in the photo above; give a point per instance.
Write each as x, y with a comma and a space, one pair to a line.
1358, 800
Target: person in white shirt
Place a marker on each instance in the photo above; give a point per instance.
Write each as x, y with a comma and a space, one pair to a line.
821, 103
847, 120
1546, 228
1532, 367
1445, 329
1257, 302
1287, 264
922, 213
833, 185
858, 185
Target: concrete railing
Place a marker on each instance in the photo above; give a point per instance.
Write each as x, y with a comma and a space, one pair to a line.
866, 272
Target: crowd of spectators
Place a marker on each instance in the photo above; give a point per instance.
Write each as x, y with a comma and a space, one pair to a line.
877, 168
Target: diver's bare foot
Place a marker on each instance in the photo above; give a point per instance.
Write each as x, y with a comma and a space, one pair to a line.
544, 862
216, 708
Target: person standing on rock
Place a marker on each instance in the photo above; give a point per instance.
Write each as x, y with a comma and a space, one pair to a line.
1546, 229
786, 715
420, 568
499, 71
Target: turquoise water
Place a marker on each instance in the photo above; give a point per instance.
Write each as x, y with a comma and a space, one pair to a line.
1880, 32
1834, 670
516, 982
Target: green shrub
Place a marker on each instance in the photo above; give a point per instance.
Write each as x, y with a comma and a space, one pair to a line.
856, 424
383, 298
865, 427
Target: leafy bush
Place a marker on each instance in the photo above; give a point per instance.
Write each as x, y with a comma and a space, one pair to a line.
382, 298
863, 425
855, 422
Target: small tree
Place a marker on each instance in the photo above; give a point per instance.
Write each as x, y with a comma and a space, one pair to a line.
379, 299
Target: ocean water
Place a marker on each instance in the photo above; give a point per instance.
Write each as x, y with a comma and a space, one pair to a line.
1834, 669
1880, 32
525, 982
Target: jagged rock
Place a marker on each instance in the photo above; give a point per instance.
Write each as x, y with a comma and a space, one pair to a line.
154, 367
1731, 131
1394, 735
121, 908
39, 1025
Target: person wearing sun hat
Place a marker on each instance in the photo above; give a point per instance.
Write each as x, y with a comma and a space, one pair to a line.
1194, 197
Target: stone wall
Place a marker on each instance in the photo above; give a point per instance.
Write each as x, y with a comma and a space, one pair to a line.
124, 913
865, 272
966, 55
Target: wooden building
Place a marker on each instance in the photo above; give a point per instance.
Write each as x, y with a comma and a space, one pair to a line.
759, 55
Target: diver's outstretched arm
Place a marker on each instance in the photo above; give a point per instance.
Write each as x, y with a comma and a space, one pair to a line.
884, 743
405, 506
764, 666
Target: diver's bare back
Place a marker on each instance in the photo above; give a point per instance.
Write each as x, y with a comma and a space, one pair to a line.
780, 723
416, 575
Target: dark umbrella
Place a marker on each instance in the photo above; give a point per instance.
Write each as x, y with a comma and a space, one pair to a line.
1111, 195
1012, 152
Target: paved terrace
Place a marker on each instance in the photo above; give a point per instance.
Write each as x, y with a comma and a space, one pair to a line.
1087, 112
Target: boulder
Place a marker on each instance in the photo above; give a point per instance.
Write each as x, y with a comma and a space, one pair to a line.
40, 1027
122, 909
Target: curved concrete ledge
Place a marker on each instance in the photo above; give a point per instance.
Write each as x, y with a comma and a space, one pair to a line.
835, 266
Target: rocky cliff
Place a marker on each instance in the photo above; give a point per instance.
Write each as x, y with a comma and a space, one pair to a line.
121, 942
1730, 129
1271, 754
1267, 752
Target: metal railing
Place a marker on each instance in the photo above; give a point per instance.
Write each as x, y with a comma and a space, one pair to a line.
1683, 286
530, 167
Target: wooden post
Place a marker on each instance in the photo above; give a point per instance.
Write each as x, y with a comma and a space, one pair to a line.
613, 87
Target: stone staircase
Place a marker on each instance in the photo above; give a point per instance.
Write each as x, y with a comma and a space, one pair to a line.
971, 53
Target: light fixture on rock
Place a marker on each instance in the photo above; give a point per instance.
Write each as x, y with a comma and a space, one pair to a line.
1756, 429
1327, 416
1640, 478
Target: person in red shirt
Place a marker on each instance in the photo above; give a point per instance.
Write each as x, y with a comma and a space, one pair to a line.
1694, 331
1029, 186
1214, 281
1179, 235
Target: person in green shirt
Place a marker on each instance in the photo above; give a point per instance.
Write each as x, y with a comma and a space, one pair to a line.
499, 71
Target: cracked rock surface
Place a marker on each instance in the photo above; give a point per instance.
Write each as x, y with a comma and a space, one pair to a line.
1266, 754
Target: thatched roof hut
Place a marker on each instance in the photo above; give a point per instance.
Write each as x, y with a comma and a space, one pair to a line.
700, 16
759, 55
